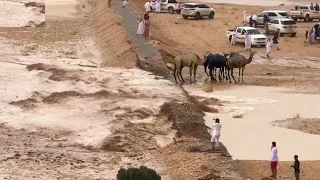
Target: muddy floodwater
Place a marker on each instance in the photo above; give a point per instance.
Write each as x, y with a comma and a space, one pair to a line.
250, 137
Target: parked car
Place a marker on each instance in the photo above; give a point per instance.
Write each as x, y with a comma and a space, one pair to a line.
304, 12
171, 6
257, 38
197, 10
272, 14
284, 26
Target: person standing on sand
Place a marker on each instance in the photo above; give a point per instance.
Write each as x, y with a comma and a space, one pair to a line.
158, 6
109, 3
124, 2
269, 47
244, 17
296, 167
317, 8
274, 159
140, 26
247, 42
306, 34
147, 5
310, 38
215, 133
233, 37
275, 39
146, 23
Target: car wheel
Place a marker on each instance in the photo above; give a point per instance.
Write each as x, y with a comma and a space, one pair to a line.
171, 10
211, 16
178, 11
185, 17
307, 18
254, 24
198, 16
293, 34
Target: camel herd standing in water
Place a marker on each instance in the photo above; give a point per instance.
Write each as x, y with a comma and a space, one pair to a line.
226, 63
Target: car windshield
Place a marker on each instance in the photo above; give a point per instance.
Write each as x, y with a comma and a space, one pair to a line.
284, 14
253, 31
288, 22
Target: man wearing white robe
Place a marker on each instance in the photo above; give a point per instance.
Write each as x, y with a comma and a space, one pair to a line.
269, 47
147, 5
233, 38
244, 17
247, 42
158, 6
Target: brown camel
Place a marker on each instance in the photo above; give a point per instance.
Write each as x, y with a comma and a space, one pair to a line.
238, 61
188, 59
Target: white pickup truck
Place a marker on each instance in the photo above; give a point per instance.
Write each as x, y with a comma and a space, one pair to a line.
170, 6
257, 38
304, 12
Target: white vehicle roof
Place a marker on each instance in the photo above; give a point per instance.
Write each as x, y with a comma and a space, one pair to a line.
278, 11
246, 27
283, 19
194, 3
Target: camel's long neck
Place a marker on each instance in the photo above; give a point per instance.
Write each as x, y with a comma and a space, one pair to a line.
249, 60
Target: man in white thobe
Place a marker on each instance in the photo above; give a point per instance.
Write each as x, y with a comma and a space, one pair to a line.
233, 38
158, 6
244, 17
247, 42
269, 47
216, 132
147, 5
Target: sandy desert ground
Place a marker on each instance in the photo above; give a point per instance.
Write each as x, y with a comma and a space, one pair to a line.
24, 13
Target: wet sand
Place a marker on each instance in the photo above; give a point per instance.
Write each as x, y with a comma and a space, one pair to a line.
250, 137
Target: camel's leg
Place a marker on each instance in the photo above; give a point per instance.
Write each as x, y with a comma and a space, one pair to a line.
180, 73
191, 68
242, 73
205, 70
219, 74
239, 74
229, 75
215, 71
211, 75
175, 73
233, 76
195, 73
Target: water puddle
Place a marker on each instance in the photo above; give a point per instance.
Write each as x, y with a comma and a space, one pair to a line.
250, 137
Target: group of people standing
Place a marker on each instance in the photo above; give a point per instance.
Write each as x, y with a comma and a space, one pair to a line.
215, 136
316, 7
144, 26
154, 5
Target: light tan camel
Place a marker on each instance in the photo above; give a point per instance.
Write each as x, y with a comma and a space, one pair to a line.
188, 59
237, 60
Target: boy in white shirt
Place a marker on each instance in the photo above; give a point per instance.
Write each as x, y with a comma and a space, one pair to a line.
215, 132
274, 160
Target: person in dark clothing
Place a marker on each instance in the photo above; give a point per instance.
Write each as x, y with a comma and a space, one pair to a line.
306, 34
296, 167
250, 21
316, 7
266, 21
275, 39
311, 6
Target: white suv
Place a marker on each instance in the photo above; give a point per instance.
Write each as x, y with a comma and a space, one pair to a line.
272, 14
283, 26
197, 10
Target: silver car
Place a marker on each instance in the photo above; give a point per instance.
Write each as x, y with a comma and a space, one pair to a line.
197, 10
272, 14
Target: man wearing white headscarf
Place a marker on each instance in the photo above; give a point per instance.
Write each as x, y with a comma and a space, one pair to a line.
247, 42
244, 17
147, 5
269, 47
233, 38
